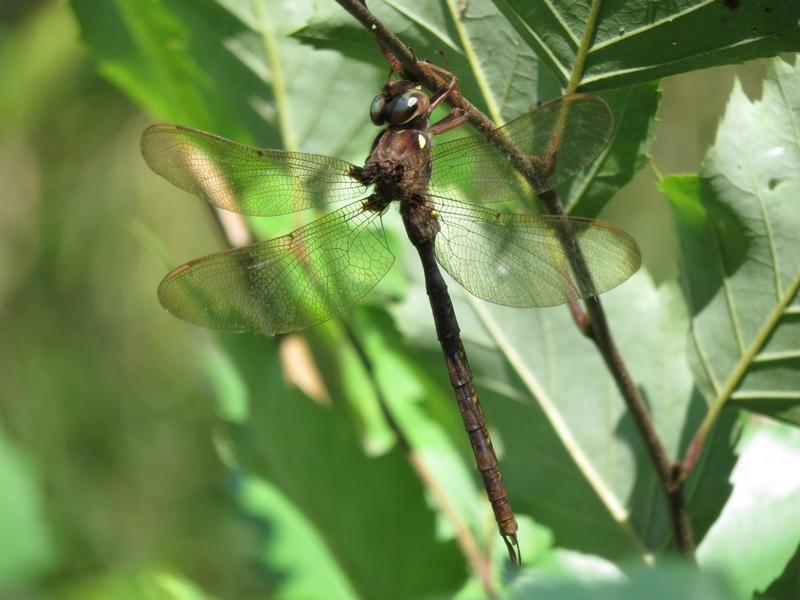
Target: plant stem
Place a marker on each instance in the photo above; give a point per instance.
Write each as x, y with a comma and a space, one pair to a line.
600, 333
583, 49
595, 326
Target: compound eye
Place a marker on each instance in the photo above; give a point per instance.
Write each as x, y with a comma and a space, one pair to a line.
376, 109
406, 107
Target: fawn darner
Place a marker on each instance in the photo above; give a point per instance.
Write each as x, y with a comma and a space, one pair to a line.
319, 270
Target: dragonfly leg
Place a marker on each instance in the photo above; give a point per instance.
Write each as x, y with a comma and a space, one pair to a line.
457, 117
442, 95
451, 121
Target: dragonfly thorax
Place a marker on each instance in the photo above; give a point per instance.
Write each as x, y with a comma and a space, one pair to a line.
399, 166
399, 163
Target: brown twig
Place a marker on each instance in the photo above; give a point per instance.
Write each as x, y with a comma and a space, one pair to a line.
593, 322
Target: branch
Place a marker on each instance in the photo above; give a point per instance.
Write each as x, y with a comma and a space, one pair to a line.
595, 326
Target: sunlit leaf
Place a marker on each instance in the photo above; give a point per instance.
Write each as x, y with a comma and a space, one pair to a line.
737, 225
762, 509
27, 550
665, 582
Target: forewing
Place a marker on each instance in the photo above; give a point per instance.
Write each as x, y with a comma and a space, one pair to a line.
244, 179
560, 138
285, 284
520, 260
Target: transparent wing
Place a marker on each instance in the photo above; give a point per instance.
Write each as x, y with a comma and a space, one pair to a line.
571, 130
244, 179
285, 284
519, 260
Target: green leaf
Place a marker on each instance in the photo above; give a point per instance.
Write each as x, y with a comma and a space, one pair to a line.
635, 128
665, 582
633, 45
170, 62
294, 551
786, 585
418, 404
763, 510
230, 67
737, 225
310, 453
27, 551
143, 585
571, 457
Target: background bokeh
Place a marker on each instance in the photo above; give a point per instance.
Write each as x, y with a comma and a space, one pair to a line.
105, 429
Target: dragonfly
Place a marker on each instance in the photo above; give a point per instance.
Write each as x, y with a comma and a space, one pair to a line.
448, 196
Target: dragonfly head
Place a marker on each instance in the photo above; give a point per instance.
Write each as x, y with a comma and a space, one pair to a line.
399, 103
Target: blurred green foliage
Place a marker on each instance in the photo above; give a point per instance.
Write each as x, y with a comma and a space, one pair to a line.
114, 429
138, 454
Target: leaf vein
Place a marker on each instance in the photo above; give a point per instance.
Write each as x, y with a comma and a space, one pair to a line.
573, 38
425, 25
737, 330
769, 325
703, 355
765, 395
776, 273
475, 64
670, 20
